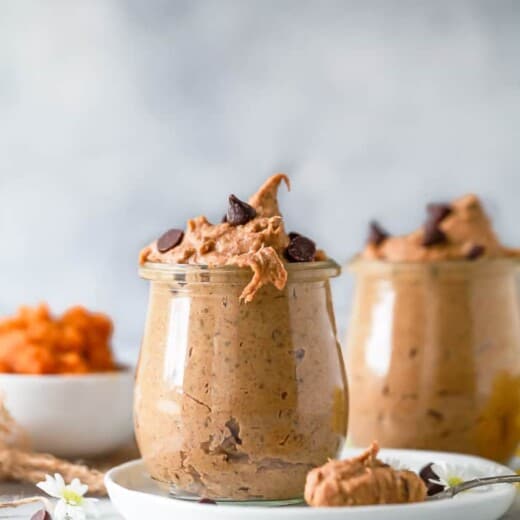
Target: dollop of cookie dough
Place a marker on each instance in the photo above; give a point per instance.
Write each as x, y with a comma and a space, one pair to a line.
462, 231
363, 480
258, 244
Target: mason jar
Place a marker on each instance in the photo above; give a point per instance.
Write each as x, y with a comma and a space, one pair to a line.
434, 356
238, 401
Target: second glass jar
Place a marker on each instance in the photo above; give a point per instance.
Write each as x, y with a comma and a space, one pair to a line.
434, 356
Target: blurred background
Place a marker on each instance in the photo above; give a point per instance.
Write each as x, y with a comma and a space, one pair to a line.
120, 119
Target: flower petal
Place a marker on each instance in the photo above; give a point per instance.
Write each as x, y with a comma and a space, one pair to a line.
78, 487
60, 510
60, 483
49, 486
64, 511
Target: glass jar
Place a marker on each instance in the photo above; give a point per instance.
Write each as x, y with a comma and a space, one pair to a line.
434, 356
237, 401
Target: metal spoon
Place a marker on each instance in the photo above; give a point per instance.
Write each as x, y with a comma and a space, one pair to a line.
477, 482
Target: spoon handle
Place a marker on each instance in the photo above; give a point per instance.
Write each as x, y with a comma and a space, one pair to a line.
478, 482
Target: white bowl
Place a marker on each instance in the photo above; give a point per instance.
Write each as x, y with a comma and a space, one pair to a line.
72, 415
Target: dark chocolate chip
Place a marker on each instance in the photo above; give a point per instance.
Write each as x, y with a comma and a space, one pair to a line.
432, 234
426, 474
207, 501
437, 212
42, 514
301, 249
239, 212
170, 239
475, 251
376, 234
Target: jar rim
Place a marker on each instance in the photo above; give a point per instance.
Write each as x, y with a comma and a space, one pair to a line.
322, 269
358, 263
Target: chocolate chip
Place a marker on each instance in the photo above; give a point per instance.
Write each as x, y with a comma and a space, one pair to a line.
207, 501
239, 212
432, 234
42, 514
376, 234
475, 251
426, 474
301, 249
437, 212
170, 239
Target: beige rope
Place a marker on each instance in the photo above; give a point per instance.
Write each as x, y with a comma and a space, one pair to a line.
28, 500
19, 463
24, 466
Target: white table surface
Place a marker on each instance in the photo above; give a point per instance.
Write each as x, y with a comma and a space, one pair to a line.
107, 512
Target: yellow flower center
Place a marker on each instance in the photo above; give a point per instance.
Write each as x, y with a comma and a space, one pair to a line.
454, 481
72, 498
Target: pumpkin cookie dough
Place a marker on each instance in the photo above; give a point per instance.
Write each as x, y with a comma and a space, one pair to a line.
240, 386
460, 230
362, 481
434, 339
251, 235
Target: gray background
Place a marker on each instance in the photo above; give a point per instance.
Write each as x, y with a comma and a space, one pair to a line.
121, 119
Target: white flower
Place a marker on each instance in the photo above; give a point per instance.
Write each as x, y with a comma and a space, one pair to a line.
450, 475
72, 505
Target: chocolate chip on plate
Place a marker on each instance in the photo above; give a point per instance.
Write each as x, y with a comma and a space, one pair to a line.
475, 251
170, 239
42, 514
300, 249
207, 501
239, 212
426, 475
432, 234
376, 233
437, 212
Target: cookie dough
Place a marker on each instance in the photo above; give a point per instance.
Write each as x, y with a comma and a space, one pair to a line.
239, 400
259, 244
434, 339
361, 481
466, 229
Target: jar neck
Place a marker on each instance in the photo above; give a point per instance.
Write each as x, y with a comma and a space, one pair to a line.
456, 269
202, 274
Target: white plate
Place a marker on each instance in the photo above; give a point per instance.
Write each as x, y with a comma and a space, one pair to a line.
136, 496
